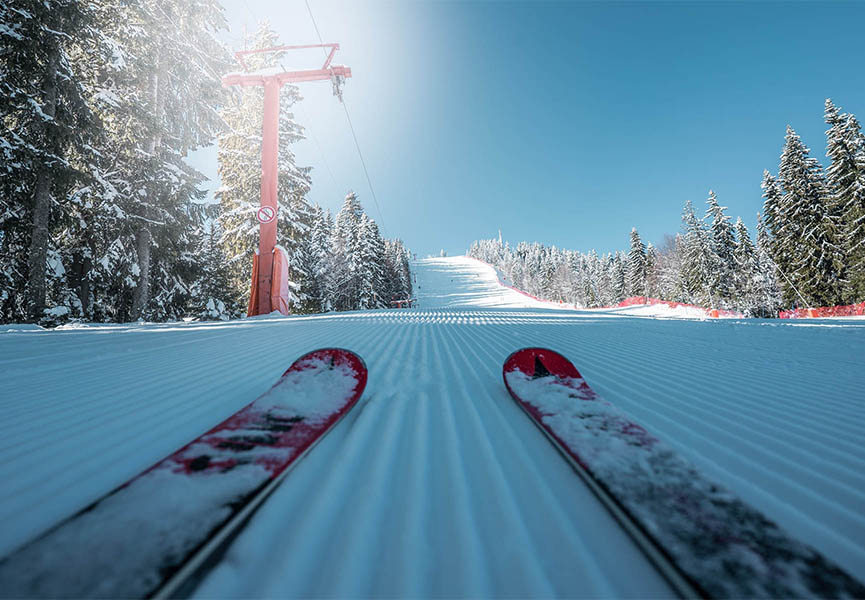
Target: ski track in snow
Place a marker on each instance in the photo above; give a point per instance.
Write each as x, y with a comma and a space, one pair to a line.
436, 484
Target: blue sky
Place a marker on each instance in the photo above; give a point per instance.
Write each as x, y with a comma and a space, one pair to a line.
565, 123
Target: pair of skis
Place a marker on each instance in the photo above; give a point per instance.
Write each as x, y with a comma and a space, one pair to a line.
158, 534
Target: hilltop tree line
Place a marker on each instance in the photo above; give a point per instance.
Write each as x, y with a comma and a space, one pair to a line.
711, 262
101, 216
809, 250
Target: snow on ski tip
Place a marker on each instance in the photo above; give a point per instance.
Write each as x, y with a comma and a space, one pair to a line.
136, 537
704, 538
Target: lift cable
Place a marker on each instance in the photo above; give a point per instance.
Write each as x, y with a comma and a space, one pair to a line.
351, 126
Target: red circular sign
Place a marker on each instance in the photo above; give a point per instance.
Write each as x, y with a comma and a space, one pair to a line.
266, 214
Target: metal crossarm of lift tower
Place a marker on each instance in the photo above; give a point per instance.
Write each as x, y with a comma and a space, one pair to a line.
272, 80
327, 71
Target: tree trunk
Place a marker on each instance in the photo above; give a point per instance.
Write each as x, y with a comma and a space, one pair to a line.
143, 237
81, 267
38, 252
142, 292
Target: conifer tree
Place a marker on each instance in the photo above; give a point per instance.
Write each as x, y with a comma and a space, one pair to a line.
636, 283
211, 293
670, 269
44, 118
722, 243
817, 261
745, 271
845, 181
617, 278
780, 239
374, 273
591, 293
698, 274
652, 272
169, 102
767, 289
345, 246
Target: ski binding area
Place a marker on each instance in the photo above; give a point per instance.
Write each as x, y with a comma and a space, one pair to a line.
436, 483
150, 536
706, 540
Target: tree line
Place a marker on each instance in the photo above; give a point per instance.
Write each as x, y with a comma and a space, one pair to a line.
101, 216
809, 250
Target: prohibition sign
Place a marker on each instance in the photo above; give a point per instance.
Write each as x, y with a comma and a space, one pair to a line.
266, 214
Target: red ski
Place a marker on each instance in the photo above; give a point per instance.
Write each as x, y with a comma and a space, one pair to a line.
154, 533
704, 539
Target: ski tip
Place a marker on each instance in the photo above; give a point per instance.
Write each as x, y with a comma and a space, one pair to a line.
336, 357
539, 362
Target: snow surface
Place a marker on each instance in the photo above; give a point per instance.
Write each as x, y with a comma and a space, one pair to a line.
659, 311
436, 483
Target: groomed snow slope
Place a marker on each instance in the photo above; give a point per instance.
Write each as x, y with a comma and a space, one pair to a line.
436, 484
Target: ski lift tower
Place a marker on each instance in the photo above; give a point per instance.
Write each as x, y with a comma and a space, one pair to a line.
272, 82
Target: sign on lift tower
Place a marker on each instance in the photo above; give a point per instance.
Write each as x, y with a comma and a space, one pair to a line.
262, 273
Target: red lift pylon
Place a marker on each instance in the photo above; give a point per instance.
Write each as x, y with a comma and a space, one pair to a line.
272, 82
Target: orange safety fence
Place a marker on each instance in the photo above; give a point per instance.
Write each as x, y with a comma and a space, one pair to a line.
849, 310
643, 300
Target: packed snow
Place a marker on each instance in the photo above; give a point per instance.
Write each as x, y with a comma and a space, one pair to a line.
436, 483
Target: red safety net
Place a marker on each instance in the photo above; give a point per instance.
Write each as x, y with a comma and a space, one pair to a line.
849, 310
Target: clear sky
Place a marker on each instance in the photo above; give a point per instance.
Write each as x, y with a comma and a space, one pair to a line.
565, 123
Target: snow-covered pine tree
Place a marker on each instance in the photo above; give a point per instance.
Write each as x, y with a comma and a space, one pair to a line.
845, 181
400, 259
745, 272
239, 157
617, 278
44, 121
368, 263
780, 240
697, 260
546, 280
818, 261
391, 288
211, 293
653, 278
345, 242
571, 272
670, 269
154, 112
312, 255
722, 243
319, 261
636, 272
767, 290
591, 294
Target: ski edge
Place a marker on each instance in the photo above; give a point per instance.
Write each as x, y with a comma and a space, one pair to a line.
682, 585
196, 567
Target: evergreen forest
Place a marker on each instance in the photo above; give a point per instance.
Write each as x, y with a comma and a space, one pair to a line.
809, 249
101, 216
